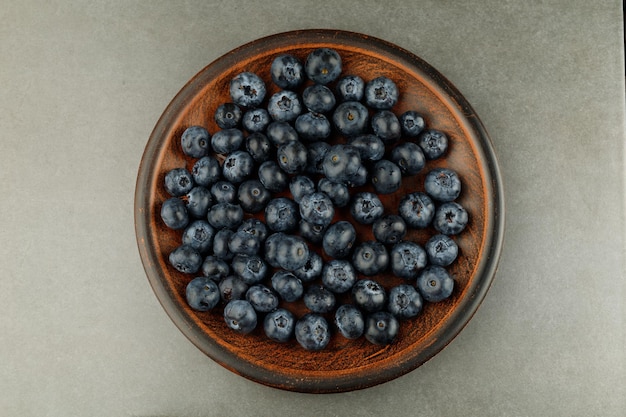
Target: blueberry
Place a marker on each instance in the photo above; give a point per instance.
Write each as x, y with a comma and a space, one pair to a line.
284, 106
405, 301
370, 147
409, 158
252, 269
386, 177
254, 227
338, 275
433, 143
228, 115
314, 233
339, 239
359, 178
312, 269
312, 332
262, 298
247, 89
366, 207
291, 157
223, 192
435, 283
282, 214
206, 171
272, 177
288, 286
370, 258
198, 201
232, 288
300, 186
336, 191
195, 141
319, 299
381, 328
174, 213
280, 133
407, 259
442, 250
215, 268
240, 316
323, 65
389, 229
226, 141
341, 163
350, 88
369, 295
259, 147
450, 218
199, 235
381, 93
271, 246
287, 71
318, 98
350, 118
220, 244
386, 126
315, 157
349, 321
244, 243
178, 182
185, 259
417, 210
312, 126
292, 252
256, 120
237, 166
279, 325
317, 209
225, 215
202, 294
442, 184
253, 196
411, 123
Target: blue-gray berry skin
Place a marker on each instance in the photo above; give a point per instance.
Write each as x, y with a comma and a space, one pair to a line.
288, 286
174, 213
287, 71
350, 88
256, 120
228, 115
381, 328
316, 151
253, 196
405, 301
244, 243
319, 299
195, 141
450, 218
199, 235
370, 258
272, 177
259, 147
338, 192
301, 185
389, 229
247, 90
369, 295
313, 126
339, 239
291, 157
206, 171
223, 192
220, 244
350, 118
198, 201
407, 259
312, 332
225, 215
381, 93
240, 316
341, 163
178, 182
338, 275
312, 269
279, 325
282, 214
409, 158
323, 65
270, 248
434, 143
238, 166
442, 184
366, 207
417, 209
252, 269
386, 126
317, 209
232, 288
314, 233
185, 259
435, 283
412, 123
262, 298
318, 98
386, 177
441, 250
349, 321
284, 106
202, 294
226, 141
280, 133
215, 268
292, 252
370, 146
254, 227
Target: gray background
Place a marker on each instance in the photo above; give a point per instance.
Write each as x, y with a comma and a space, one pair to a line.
82, 86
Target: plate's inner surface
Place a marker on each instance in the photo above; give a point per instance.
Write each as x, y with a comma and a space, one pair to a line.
256, 355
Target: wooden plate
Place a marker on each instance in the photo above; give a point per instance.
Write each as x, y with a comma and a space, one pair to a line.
344, 365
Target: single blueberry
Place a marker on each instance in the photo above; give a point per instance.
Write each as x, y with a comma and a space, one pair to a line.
280, 133
386, 177
282, 214
386, 126
435, 283
232, 288
262, 298
288, 286
240, 316
341, 163
338, 275
225, 215
247, 89
292, 156
259, 147
300, 186
185, 259
228, 115
272, 177
226, 141
178, 182
315, 156
450, 218
174, 213
417, 210
433, 143
215, 268
223, 192
237, 166
284, 106
195, 141
287, 71
206, 171
370, 258
292, 252
442, 250
442, 184
381, 328
323, 65
409, 158
312, 269
220, 245
370, 147
350, 118
366, 207
381, 93
317, 209
407, 259
279, 325
252, 269
313, 233
253, 196
198, 200
199, 235
318, 98
350, 88
202, 294
412, 123
369, 295
339, 239
319, 299
313, 126
254, 227
389, 229
312, 332
245, 243
349, 321
336, 191
256, 120
405, 301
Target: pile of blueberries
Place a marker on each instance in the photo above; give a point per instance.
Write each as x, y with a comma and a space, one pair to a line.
258, 229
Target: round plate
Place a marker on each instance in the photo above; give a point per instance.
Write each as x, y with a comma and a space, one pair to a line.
345, 364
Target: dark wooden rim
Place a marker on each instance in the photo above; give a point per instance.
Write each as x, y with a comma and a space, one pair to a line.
144, 212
